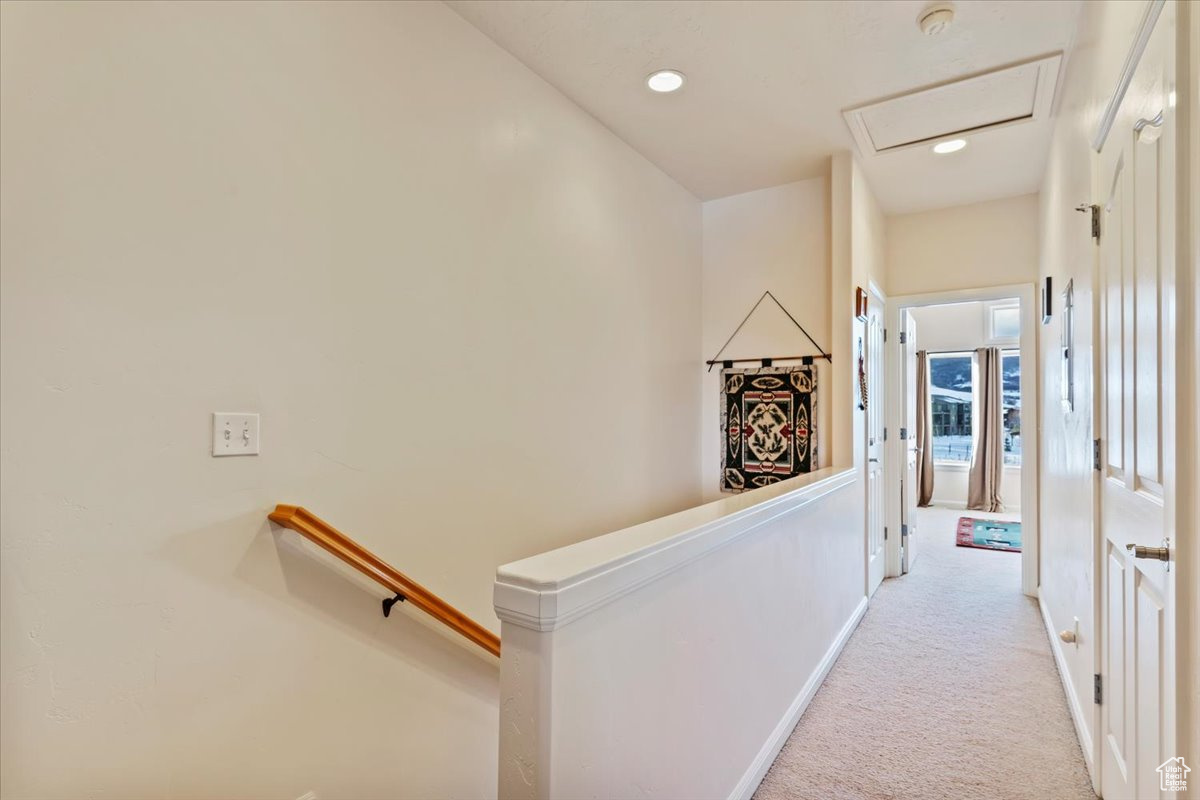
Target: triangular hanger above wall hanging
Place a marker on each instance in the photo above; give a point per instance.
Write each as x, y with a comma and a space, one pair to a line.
766, 362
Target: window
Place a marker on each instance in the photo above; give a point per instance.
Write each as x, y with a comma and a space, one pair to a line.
1010, 366
952, 401
1004, 322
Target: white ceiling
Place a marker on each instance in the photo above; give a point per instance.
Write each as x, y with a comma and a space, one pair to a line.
768, 82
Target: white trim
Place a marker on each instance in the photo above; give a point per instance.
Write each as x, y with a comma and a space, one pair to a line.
1187, 586
550, 590
1081, 729
1149, 18
961, 505
957, 505
963, 466
766, 756
1027, 293
1045, 85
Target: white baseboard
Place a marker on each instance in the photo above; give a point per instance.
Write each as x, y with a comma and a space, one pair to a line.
962, 505
1081, 729
766, 756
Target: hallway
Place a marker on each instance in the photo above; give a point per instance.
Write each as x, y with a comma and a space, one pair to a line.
947, 689
544, 376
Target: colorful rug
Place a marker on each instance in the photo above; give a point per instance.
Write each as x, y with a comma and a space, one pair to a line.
768, 417
989, 534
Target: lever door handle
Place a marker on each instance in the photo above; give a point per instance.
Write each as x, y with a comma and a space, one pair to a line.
1148, 130
1158, 553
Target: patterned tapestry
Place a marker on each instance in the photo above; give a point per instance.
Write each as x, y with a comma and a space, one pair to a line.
768, 420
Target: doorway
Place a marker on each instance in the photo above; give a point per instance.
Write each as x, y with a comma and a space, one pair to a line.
977, 406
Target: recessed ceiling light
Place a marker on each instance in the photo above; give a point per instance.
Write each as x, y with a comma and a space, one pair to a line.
952, 146
665, 80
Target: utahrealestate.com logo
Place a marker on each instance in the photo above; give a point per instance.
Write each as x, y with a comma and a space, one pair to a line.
1172, 775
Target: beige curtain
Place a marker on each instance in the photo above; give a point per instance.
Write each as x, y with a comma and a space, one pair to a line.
924, 432
987, 462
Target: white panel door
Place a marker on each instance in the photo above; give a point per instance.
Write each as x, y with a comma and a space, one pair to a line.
908, 434
1134, 307
874, 369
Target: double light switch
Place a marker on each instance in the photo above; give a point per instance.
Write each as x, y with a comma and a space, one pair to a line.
234, 434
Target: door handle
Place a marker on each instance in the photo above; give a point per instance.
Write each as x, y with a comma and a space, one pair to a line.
1159, 553
1148, 130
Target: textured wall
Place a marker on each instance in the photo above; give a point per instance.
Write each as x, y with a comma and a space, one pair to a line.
992, 243
776, 239
467, 312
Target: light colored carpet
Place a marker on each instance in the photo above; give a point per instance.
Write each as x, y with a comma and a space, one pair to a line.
947, 689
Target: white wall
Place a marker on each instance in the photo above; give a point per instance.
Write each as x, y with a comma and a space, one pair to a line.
1066, 478
869, 232
993, 243
857, 251
583, 708
623, 676
962, 326
468, 314
958, 326
775, 239
950, 482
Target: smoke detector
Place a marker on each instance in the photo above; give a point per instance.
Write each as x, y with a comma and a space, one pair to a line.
936, 18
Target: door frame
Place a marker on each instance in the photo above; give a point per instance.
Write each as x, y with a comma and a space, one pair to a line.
878, 394
1187, 255
1025, 293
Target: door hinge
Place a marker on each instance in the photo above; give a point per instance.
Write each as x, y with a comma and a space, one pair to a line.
885, 533
1094, 210
885, 334
903, 337
904, 530
1096, 454
1098, 689
904, 433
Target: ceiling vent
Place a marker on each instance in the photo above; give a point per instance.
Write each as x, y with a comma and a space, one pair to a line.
1008, 96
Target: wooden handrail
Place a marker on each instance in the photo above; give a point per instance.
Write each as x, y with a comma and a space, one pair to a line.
316, 530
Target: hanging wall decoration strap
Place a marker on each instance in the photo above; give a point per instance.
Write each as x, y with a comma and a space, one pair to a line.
767, 360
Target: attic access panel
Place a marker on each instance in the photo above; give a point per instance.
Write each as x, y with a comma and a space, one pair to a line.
1007, 96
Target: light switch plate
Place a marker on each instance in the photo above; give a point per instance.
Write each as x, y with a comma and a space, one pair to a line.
234, 434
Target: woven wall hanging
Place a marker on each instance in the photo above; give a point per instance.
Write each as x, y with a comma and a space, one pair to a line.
767, 425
